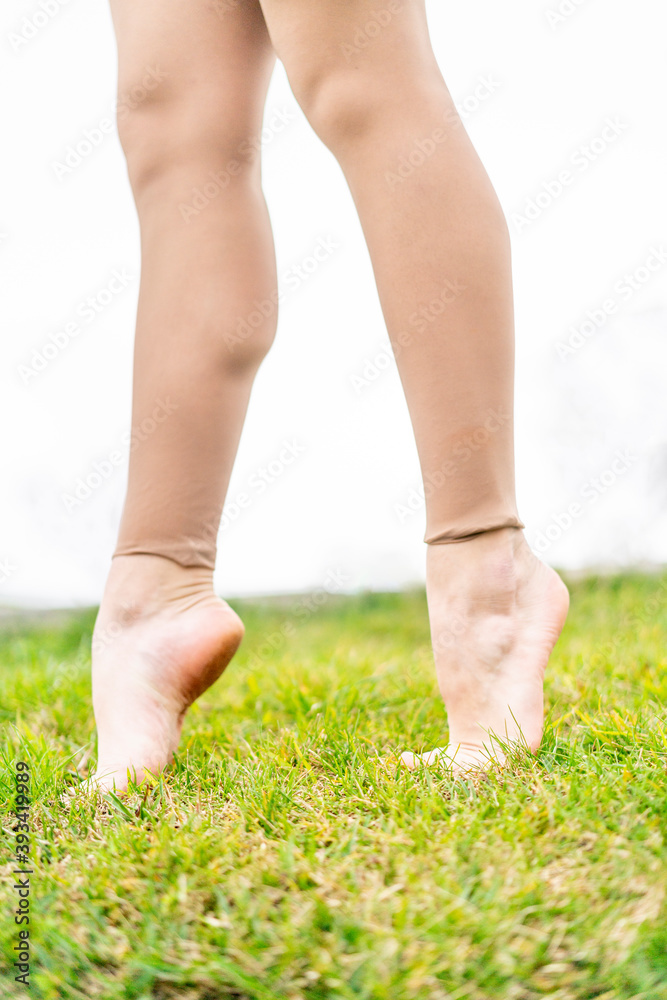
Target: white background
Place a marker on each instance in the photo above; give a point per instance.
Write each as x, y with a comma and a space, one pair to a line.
334, 507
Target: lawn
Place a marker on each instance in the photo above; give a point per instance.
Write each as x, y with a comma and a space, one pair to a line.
282, 859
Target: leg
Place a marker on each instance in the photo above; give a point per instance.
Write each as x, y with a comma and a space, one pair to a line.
440, 250
162, 636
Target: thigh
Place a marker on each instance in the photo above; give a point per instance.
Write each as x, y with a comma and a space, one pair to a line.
323, 36
201, 68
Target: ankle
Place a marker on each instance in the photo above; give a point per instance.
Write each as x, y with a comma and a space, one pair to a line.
486, 570
142, 584
499, 552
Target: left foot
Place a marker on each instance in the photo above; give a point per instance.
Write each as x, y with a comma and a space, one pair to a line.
496, 612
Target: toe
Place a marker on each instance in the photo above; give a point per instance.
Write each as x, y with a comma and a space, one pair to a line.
410, 760
413, 761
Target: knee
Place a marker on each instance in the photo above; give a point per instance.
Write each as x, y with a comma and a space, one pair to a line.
339, 103
346, 101
168, 133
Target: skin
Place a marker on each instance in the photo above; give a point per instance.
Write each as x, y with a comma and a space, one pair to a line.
440, 250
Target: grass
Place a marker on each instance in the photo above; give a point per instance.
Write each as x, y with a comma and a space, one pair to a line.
281, 860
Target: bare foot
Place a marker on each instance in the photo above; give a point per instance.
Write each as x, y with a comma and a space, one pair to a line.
496, 612
161, 638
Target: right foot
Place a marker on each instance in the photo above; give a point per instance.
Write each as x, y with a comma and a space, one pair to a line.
161, 638
496, 612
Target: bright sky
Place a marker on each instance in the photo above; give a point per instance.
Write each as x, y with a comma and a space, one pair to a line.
567, 112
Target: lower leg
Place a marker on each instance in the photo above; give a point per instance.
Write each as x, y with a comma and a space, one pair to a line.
162, 636
440, 249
